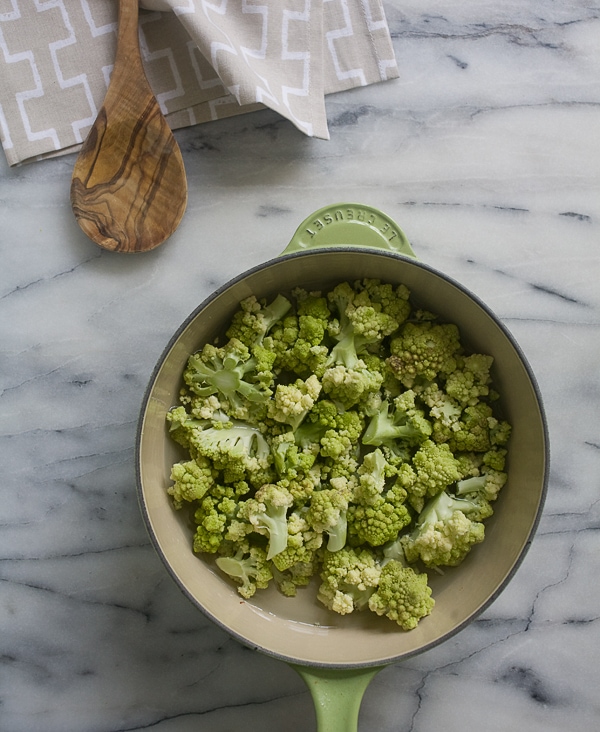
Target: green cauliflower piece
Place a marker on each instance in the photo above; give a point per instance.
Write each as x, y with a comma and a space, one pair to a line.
298, 575
350, 385
402, 595
291, 460
327, 513
348, 579
444, 533
248, 567
214, 515
266, 512
394, 300
343, 437
372, 475
292, 402
303, 542
471, 381
307, 354
435, 469
191, 480
487, 485
254, 319
344, 467
400, 421
183, 426
476, 430
322, 417
302, 486
236, 448
443, 410
229, 372
424, 350
380, 521
360, 325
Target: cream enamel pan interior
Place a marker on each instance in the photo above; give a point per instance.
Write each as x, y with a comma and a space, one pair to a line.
300, 630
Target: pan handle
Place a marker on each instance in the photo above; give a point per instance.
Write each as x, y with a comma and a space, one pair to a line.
349, 224
337, 694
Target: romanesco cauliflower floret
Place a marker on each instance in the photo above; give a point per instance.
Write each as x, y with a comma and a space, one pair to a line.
303, 541
232, 440
469, 463
306, 353
477, 430
312, 303
345, 466
435, 469
302, 486
291, 460
281, 338
444, 534
248, 567
372, 475
292, 402
402, 595
343, 437
360, 325
400, 421
298, 575
393, 299
500, 431
215, 513
350, 385
251, 323
327, 514
182, 426
369, 323
443, 410
488, 484
202, 408
470, 383
191, 480
236, 448
380, 521
424, 349
495, 459
349, 578
322, 416
267, 513
229, 372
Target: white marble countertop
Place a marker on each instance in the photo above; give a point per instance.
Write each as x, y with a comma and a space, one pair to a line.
487, 152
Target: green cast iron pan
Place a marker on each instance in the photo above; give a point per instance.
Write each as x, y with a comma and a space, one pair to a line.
337, 656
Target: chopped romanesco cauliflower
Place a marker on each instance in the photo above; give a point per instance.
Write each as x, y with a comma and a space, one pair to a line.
424, 349
267, 513
402, 595
342, 435
444, 533
248, 567
292, 402
349, 578
191, 480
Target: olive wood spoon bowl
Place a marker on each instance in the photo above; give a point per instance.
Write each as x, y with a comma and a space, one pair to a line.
129, 189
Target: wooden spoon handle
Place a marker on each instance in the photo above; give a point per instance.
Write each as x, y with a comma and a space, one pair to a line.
128, 58
128, 191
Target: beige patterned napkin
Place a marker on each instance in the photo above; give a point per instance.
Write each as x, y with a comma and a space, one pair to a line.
205, 60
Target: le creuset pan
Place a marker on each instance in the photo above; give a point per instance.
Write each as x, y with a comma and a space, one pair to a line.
338, 656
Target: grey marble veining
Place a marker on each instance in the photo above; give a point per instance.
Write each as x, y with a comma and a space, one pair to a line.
487, 153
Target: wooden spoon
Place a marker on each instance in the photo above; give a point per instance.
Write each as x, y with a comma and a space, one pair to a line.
129, 189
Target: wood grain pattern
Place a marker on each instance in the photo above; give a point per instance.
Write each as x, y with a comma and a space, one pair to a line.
129, 189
